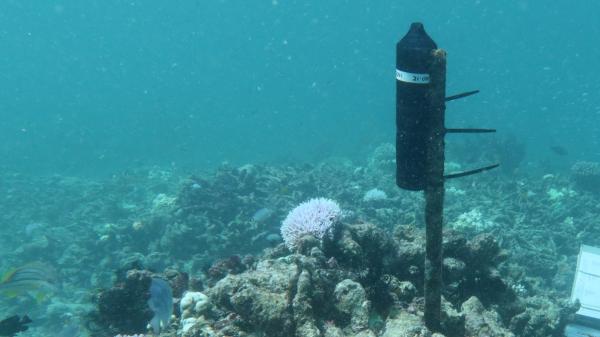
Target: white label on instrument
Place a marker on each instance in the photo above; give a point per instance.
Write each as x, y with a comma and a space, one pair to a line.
404, 76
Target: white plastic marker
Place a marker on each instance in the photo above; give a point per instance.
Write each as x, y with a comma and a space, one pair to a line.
405, 76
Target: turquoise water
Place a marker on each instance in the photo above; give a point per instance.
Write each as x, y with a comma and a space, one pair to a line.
93, 87
116, 117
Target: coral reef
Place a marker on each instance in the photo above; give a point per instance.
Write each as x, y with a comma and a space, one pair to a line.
373, 289
124, 308
482, 322
586, 175
509, 251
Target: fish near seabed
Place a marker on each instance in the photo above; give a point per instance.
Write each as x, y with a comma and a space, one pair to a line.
161, 303
262, 215
36, 279
559, 150
14, 324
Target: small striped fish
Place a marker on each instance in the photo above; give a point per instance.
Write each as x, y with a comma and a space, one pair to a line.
35, 278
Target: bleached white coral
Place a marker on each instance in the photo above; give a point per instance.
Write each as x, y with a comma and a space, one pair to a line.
555, 194
374, 194
192, 305
162, 202
455, 191
315, 217
472, 220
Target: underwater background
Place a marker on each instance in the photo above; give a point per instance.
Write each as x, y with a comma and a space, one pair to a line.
90, 87
155, 140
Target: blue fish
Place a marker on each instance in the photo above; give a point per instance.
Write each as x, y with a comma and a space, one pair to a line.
262, 215
161, 303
